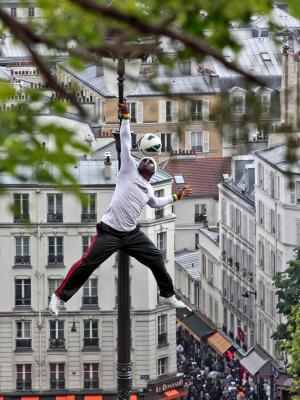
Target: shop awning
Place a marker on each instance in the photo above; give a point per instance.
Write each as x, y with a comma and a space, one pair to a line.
92, 397
253, 363
219, 343
175, 394
196, 326
182, 313
284, 381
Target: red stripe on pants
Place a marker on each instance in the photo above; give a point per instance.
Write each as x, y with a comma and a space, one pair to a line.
75, 266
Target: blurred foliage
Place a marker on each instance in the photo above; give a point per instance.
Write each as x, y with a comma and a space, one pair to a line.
82, 28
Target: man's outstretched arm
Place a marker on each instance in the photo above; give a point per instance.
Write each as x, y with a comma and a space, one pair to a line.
158, 202
127, 161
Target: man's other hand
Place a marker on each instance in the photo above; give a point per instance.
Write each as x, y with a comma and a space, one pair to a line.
123, 108
186, 191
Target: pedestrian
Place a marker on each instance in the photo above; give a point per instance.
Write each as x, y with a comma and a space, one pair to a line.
118, 228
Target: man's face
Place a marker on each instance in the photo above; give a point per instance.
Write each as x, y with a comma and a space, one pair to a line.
147, 167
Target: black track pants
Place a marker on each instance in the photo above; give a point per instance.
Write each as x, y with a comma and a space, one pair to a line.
106, 242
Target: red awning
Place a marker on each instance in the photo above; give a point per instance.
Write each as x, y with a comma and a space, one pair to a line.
175, 394
91, 397
65, 397
26, 398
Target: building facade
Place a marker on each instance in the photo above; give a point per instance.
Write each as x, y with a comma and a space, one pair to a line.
42, 235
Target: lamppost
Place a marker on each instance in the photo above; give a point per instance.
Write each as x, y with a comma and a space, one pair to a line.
114, 69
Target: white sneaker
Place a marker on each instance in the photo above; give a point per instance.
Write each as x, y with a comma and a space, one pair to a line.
172, 301
56, 304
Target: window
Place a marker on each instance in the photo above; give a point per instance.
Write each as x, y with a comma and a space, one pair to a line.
31, 12
224, 211
168, 111
55, 244
265, 102
21, 207
295, 193
159, 212
86, 241
89, 209
166, 142
162, 243
272, 222
238, 104
260, 175
200, 213
162, 330
261, 213
90, 334
261, 255
132, 112
231, 332
225, 319
262, 295
196, 240
90, 292
162, 366
55, 208
179, 179
23, 377
91, 376
13, 12
22, 292
57, 376
23, 335
203, 259
57, 339
22, 250
199, 142
53, 284
199, 110
210, 272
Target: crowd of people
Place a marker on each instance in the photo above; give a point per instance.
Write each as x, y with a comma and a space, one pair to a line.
208, 375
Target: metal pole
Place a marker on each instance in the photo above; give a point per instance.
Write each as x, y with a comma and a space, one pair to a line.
124, 370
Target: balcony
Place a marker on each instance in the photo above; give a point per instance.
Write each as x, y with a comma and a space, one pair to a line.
91, 383
56, 384
57, 344
23, 302
21, 218
91, 343
58, 217
22, 260
162, 339
85, 217
200, 218
90, 302
23, 385
166, 149
55, 260
159, 213
23, 344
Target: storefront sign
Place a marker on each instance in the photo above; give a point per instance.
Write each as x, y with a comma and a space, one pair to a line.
163, 387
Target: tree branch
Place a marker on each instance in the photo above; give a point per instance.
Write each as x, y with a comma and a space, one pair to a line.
150, 29
26, 36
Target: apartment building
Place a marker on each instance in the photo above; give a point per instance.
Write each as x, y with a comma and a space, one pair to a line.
43, 232
237, 247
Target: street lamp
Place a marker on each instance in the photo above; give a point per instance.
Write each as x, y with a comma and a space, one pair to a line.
114, 71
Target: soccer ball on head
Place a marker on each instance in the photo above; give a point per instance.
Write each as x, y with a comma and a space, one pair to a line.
149, 144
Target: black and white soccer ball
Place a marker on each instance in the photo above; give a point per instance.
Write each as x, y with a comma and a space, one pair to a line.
149, 144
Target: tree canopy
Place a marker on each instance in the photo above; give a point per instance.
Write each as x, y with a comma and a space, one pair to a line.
86, 30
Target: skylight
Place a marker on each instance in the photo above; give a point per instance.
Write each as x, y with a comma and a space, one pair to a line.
179, 179
265, 56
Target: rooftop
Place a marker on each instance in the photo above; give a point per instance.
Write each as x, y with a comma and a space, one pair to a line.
178, 84
189, 260
276, 156
203, 174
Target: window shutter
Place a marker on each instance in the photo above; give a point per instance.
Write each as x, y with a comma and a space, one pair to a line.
175, 111
188, 140
175, 141
298, 231
205, 105
140, 118
162, 111
205, 141
188, 110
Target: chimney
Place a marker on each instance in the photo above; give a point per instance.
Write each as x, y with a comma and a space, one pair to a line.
99, 69
107, 165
